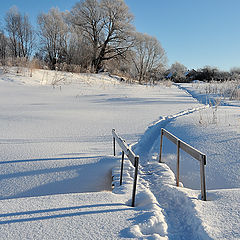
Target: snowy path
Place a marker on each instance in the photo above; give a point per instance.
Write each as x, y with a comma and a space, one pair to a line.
186, 215
180, 214
220, 141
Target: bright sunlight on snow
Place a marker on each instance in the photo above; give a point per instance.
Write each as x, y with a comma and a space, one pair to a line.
60, 180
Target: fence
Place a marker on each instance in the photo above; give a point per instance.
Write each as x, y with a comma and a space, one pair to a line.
191, 151
131, 156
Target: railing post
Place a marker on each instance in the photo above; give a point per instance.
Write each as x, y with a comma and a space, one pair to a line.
121, 175
114, 144
191, 151
178, 162
202, 173
135, 180
161, 143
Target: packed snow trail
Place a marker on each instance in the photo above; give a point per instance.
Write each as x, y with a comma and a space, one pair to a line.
181, 217
179, 210
186, 215
149, 138
198, 91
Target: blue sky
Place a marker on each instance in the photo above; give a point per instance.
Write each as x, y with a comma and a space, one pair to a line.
194, 32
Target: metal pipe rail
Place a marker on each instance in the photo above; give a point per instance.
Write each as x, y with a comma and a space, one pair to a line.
134, 159
191, 151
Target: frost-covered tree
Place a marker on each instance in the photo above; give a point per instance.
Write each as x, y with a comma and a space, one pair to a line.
178, 72
54, 36
3, 45
26, 36
148, 56
209, 73
107, 25
235, 73
79, 49
12, 20
20, 32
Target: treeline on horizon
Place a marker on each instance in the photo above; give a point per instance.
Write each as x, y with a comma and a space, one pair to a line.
94, 36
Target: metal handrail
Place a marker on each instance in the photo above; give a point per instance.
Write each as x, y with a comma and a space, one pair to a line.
191, 151
134, 159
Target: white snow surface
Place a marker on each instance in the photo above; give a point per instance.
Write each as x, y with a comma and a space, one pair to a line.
57, 164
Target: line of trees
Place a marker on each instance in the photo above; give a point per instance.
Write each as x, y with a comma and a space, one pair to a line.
179, 73
95, 35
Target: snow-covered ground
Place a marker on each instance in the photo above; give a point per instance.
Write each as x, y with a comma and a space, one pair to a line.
57, 164
216, 132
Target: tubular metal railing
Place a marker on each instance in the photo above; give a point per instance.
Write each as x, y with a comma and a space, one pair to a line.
134, 159
191, 151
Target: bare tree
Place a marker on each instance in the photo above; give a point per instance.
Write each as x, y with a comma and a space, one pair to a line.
235, 70
79, 50
208, 73
107, 24
54, 36
20, 32
178, 72
148, 56
3, 46
235, 74
26, 36
122, 66
12, 20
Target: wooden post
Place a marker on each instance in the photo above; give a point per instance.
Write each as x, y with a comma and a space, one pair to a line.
121, 174
161, 143
202, 174
178, 161
135, 181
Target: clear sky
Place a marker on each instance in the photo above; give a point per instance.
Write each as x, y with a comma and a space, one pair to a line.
195, 33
